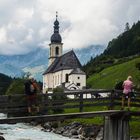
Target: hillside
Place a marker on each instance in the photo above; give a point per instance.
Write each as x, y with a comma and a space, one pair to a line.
108, 77
5, 81
16, 87
123, 48
126, 44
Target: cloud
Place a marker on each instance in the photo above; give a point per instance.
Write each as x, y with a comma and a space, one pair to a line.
3, 35
27, 25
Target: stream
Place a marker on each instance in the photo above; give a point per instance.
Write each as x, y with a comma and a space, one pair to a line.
21, 131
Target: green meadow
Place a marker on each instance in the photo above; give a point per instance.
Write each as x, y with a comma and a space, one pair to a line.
107, 78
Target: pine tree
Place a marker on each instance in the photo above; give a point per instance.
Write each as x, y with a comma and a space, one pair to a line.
127, 27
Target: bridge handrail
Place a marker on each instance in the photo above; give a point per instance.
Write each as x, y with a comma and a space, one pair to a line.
113, 98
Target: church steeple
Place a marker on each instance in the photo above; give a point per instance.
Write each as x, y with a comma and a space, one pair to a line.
56, 38
56, 45
56, 24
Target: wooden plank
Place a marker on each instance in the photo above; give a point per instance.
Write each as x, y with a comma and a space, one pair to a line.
47, 107
60, 116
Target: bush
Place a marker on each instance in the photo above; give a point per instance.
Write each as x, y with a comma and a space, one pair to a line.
138, 66
119, 85
58, 98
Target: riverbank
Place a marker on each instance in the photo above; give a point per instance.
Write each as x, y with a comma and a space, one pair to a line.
75, 130
52, 131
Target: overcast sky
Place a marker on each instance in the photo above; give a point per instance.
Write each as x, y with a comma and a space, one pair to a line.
28, 24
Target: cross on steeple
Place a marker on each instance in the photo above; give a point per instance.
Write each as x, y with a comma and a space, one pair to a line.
56, 14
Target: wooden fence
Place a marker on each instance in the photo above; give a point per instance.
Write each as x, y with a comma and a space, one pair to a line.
108, 99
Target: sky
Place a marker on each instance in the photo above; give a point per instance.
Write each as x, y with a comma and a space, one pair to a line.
28, 24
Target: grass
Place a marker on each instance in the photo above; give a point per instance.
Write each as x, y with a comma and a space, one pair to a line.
134, 122
107, 78
135, 127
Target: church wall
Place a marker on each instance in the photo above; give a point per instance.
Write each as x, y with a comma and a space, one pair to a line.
78, 79
60, 77
53, 47
47, 82
57, 78
52, 55
64, 74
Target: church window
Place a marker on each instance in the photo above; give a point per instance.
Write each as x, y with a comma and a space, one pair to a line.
78, 84
55, 80
57, 50
78, 77
67, 78
58, 79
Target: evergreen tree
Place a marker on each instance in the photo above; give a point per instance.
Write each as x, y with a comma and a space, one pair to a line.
127, 27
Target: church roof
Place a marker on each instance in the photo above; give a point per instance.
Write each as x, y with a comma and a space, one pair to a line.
56, 38
67, 61
77, 71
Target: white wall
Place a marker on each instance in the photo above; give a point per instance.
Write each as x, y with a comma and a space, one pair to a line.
52, 80
60, 76
78, 78
52, 54
47, 81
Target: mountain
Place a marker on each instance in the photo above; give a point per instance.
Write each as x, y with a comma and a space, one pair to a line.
34, 58
11, 70
85, 54
36, 62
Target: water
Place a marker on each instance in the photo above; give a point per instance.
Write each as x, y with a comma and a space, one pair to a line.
21, 131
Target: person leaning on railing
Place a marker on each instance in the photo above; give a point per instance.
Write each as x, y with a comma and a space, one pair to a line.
127, 90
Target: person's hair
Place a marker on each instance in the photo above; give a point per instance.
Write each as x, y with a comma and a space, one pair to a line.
31, 78
129, 78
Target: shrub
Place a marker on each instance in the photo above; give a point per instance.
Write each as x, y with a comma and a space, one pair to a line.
58, 98
119, 85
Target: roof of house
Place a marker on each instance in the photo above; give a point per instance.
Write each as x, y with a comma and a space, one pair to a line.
77, 71
67, 61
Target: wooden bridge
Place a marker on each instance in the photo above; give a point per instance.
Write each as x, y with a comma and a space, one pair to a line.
116, 124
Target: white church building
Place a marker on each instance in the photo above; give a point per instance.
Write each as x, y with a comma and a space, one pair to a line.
63, 69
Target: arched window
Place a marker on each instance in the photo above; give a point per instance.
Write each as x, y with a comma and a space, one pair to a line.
57, 50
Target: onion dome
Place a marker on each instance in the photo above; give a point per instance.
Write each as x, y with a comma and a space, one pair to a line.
56, 38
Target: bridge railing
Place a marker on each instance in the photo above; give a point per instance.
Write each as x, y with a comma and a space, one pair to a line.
93, 99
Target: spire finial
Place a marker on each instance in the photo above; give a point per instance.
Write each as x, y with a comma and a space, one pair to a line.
56, 14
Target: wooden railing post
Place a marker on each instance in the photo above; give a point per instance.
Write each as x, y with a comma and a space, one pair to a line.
45, 103
111, 103
81, 102
117, 128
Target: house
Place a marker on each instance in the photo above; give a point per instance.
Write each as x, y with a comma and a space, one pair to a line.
63, 69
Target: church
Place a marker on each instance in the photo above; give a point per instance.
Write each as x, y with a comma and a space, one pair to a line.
64, 70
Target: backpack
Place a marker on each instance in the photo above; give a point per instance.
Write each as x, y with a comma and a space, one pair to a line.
29, 88
32, 88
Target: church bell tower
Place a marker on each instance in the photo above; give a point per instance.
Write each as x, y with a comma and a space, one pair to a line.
56, 45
